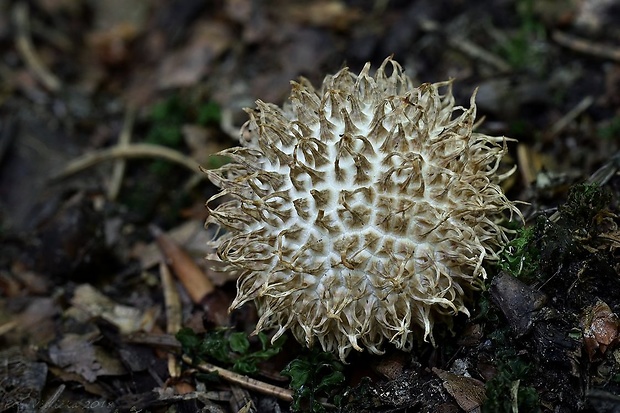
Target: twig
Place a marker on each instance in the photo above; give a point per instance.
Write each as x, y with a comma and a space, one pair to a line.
173, 314
529, 164
243, 381
6, 327
23, 42
581, 107
467, 47
585, 46
167, 394
52, 399
172, 300
605, 172
164, 341
119, 166
136, 150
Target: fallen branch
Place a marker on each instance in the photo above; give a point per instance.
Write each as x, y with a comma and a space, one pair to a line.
243, 381
173, 314
138, 150
466, 46
581, 107
124, 139
586, 46
24, 45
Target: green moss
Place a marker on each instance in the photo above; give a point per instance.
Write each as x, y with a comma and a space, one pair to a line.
512, 371
521, 257
570, 238
537, 251
168, 116
520, 50
209, 114
150, 181
313, 375
585, 202
229, 348
167, 119
553, 253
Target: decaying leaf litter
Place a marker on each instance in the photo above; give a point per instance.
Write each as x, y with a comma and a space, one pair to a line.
107, 110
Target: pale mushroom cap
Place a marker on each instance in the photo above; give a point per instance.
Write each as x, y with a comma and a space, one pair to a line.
361, 212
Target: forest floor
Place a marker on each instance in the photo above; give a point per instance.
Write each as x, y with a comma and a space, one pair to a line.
107, 108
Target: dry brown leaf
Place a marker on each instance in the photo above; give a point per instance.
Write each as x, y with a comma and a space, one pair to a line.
88, 302
195, 281
77, 354
468, 392
601, 329
391, 366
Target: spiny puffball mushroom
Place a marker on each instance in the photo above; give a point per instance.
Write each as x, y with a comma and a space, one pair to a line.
360, 212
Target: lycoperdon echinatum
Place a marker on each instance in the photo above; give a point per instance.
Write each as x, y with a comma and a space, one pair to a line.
360, 212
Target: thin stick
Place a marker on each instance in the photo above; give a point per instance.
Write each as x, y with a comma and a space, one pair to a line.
52, 399
581, 107
244, 381
8, 326
585, 46
136, 150
466, 46
23, 42
119, 166
173, 314
605, 172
